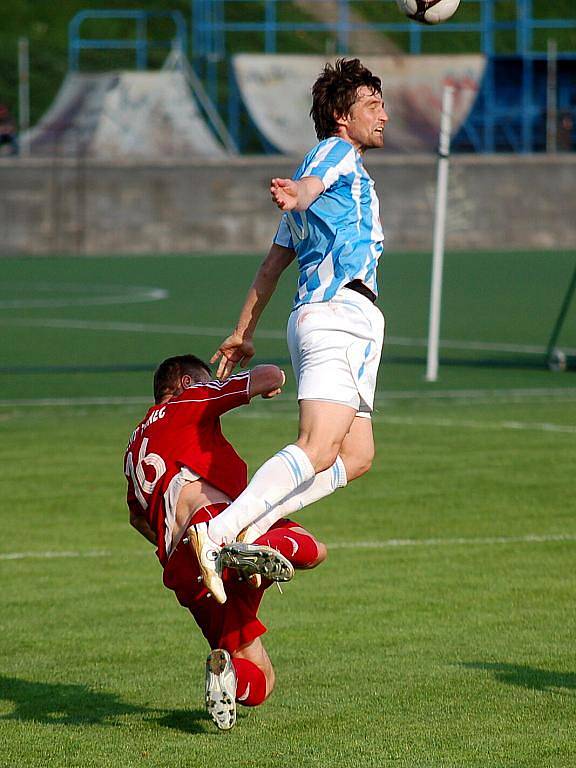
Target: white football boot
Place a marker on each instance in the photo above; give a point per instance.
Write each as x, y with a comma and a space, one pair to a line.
221, 689
208, 554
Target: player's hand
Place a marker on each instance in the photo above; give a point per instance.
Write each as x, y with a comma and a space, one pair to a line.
284, 193
274, 392
235, 350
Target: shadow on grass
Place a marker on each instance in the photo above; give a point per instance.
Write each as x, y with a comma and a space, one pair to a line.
69, 704
528, 677
187, 720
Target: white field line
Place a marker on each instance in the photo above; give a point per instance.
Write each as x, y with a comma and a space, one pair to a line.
486, 541
260, 413
194, 330
54, 555
114, 294
482, 395
486, 346
67, 402
411, 421
122, 327
382, 544
471, 396
470, 424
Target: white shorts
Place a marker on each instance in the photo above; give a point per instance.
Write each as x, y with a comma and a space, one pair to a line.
335, 348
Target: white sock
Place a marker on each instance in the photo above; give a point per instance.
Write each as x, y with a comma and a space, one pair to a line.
321, 485
277, 478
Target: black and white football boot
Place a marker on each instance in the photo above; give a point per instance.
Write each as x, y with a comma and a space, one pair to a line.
256, 559
221, 689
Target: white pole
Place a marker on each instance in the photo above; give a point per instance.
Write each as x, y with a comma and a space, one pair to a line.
439, 234
23, 94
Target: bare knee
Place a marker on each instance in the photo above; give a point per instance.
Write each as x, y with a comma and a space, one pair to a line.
321, 549
323, 427
322, 554
321, 456
256, 653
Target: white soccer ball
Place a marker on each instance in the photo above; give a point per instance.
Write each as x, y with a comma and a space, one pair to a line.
428, 11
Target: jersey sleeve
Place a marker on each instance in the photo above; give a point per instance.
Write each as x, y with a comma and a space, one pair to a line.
217, 397
283, 235
329, 161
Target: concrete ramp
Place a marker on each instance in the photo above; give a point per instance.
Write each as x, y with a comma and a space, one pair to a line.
146, 115
276, 92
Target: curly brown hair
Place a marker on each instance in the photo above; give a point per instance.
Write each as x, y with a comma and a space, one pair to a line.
334, 93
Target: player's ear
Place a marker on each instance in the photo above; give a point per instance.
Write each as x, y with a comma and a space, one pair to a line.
342, 121
187, 381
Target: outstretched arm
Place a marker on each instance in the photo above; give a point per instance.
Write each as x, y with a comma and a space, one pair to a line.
290, 195
266, 380
238, 348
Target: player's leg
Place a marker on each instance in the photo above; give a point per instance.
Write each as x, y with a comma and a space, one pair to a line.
300, 548
254, 674
354, 460
255, 677
254, 559
297, 544
220, 688
336, 373
328, 397
244, 676
237, 669
357, 451
323, 427
321, 485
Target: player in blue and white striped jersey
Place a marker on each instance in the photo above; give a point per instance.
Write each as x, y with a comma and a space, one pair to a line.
339, 237
335, 332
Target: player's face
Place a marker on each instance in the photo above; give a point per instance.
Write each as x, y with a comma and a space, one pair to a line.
364, 125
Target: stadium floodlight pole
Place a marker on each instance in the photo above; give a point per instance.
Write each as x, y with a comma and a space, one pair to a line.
439, 234
23, 94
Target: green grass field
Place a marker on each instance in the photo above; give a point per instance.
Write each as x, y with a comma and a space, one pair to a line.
439, 633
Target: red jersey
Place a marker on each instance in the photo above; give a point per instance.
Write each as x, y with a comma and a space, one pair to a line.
183, 438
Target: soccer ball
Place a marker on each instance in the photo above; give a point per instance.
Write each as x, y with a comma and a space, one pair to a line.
428, 11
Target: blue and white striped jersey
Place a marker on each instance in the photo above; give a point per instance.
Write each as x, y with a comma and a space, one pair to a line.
339, 238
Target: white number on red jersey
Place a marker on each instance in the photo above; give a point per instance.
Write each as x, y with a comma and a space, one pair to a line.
141, 484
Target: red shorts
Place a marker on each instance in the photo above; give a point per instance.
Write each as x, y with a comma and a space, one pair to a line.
227, 626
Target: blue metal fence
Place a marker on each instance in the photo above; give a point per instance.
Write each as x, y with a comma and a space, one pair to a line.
141, 43
509, 114
212, 22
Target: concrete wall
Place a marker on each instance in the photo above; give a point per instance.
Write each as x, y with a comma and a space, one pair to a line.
93, 207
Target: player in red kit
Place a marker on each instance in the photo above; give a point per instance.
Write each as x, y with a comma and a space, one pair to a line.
181, 470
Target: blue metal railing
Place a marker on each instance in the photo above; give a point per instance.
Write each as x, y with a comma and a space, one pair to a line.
210, 25
140, 44
496, 126
512, 123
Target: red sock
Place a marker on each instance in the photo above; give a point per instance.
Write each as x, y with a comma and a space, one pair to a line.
251, 683
299, 548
